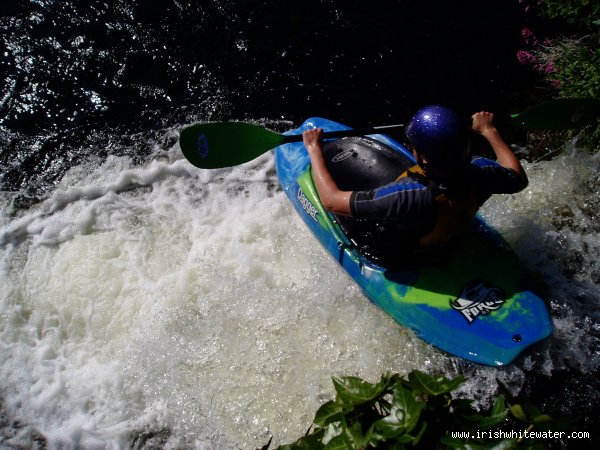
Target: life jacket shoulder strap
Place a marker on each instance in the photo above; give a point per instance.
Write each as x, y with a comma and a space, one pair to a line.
417, 173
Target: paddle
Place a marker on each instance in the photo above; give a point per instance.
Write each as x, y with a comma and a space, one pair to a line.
560, 114
224, 144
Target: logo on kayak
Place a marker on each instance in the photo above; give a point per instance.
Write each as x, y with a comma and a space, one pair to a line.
307, 206
478, 298
342, 156
202, 145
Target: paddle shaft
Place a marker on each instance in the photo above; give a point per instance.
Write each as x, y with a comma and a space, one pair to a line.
555, 114
216, 145
345, 133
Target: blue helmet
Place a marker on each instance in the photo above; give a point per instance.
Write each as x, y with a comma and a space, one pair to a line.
439, 134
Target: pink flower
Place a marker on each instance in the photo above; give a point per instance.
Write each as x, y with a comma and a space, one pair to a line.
530, 38
550, 68
526, 58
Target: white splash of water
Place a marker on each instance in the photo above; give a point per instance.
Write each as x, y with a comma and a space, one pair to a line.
180, 305
185, 308
553, 226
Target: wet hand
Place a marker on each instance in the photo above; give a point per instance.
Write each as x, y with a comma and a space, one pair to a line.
483, 122
312, 140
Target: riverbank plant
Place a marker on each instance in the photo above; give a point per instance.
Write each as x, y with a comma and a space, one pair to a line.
419, 412
568, 55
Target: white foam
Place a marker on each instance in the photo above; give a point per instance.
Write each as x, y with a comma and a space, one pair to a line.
553, 227
192, 308
142, 299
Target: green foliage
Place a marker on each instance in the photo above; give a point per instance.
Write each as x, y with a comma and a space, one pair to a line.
576, 70
583, 14
570, 62
419, 412
576, 58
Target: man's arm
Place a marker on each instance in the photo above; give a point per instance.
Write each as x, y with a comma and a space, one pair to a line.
483, 124
332, 198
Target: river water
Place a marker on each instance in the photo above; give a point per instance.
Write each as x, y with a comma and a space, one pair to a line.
145, 303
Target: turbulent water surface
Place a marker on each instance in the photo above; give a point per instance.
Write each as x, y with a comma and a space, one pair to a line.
145, 303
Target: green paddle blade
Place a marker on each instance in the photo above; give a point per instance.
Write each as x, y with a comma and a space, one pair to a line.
225, 144
560, 114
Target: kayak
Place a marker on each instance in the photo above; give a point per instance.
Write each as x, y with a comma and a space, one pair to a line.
475, 301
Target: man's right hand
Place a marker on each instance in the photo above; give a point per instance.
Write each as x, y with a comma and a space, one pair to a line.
312, 140
483, 122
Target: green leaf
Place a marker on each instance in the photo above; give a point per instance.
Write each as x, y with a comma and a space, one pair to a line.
312, 441
542, 418
405, 400
530, 409
494, 417
331, 431
420, 433
392, 425
356, 391
527, 412
351, 438
497, 415
427, 384
328, 413
517, 411
413, 440
499, 406
404, 415
337, 443
356, 435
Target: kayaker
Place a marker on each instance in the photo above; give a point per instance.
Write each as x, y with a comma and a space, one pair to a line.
436, 200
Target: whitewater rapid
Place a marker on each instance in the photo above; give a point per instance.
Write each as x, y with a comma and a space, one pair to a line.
186, 308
